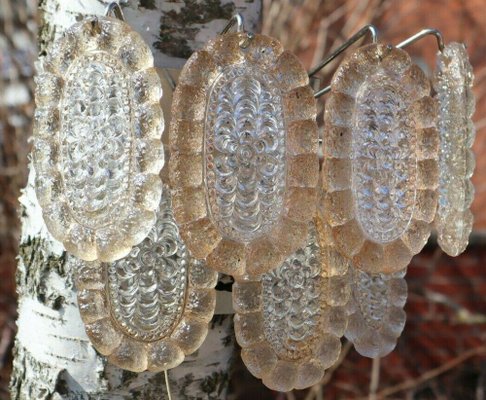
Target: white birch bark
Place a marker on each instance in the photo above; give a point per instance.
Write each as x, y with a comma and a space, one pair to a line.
53, 357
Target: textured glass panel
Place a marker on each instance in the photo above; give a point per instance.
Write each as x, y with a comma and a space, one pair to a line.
376, 312
244, 166
371, 297
151, 308
97, 150
453, 84
245, 152
383, 159
147, 288
96, 138
289, 321
292, 302
380, 169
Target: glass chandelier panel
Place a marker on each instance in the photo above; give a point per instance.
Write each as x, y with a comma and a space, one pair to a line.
97, 149
244, 165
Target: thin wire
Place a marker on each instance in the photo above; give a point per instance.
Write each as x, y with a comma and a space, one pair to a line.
422, 34
238, 20
235, 19
371, 29
115, 9
362, 32
167, 384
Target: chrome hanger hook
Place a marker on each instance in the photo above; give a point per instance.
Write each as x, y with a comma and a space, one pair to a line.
239, 21
362, 32
371, 29
423, 33
235, 19
115, 9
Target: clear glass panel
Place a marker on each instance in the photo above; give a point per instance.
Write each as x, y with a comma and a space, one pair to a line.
453, 84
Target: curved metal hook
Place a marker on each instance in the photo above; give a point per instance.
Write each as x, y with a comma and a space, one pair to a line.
362, 32
115, 9
422, 34
239, 21
235, 19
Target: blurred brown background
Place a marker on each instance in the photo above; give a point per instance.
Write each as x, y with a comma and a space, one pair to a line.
17, 54
441, 354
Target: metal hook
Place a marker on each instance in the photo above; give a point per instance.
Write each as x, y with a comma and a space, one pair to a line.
235, 19
362, 32
115, 9
422, 34
239, 21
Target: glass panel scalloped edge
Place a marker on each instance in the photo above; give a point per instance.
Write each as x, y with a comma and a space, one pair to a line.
150, 309
376, 311
380, 172
244, 164
453, 82
97, 139
289, 321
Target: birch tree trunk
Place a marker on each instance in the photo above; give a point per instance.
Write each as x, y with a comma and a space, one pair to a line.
53, 357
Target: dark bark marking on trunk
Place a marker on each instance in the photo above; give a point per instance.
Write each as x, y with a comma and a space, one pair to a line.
148, 4
175, 30
215, 383
34, 270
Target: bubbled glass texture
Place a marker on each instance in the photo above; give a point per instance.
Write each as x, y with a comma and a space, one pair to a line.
292, 302
383, 163
95, 138
371, 297
453, 84
376, 311
147, 289
245, 153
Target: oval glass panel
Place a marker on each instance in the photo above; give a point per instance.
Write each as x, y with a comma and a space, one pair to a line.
243, 167
376, 314
289, 321
453, 83
150, 309
97, 148
245, 152
384, 162
380, 172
